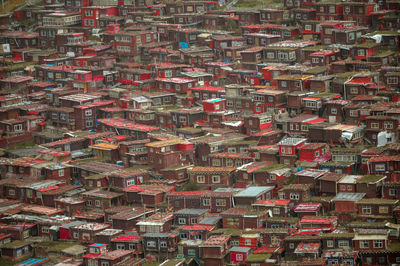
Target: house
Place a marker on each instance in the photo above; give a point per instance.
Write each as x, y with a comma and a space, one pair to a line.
296, 193
310, 176
288, 150
211, 177
347, 202
127, 242
86, 232
328, 224
314, 152
375, 207
161, 244
215, 249
17, 249
239, 254
195, 232
189, 216
250, 195
128, 218
115, 257
241, 218
102, 199
308, 209
328, 183
275, 207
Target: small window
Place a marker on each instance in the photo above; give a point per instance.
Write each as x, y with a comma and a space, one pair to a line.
329, 243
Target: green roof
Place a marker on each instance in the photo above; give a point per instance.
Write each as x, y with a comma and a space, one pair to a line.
258, 257
192, 130
240, 142
361, 224
315, 48
370, 179
346, 75
17, 66
228, 231
55, 246
324, 94
320, 199
269, 167
366, 45
394, 246
315, 70
377, 201
383, 53
16, 244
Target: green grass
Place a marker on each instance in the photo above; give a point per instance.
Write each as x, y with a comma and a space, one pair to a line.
23, 145
255, 3
151, 263
55, 246
7, 262
259, 257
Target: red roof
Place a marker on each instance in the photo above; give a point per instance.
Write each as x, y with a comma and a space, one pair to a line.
318, 120
126, 238
272, 202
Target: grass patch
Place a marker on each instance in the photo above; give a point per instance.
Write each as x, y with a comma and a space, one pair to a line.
255, 3
55, 246
23, 145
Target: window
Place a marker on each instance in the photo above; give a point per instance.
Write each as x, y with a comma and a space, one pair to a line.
216, 162
354, 113
329, 243
191, 252
151, 244
76, 235
334, 111
387, 125
89, 203
130, 182
361, 52
374, 125
45, 229
18, 127
364, 244
234, 243
61, 172
88, 112
220, 202
276, 211
392, 80
201, 179
284, 84
392, 192
239, 257
354, 90
366, 210
216, 179
349, 188
120, 246
383, 209
163, 244
89, 123
343, 244
291, 245
11, 192
270, 55
380, 167
63, 116
378, 243
181, 220
294, 196
315, 60
97, 203
193, 220
206, 202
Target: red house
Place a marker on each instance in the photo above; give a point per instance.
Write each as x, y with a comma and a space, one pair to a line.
239, 254
288, 149
314, 151
318, 222
90, 15
214, 105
